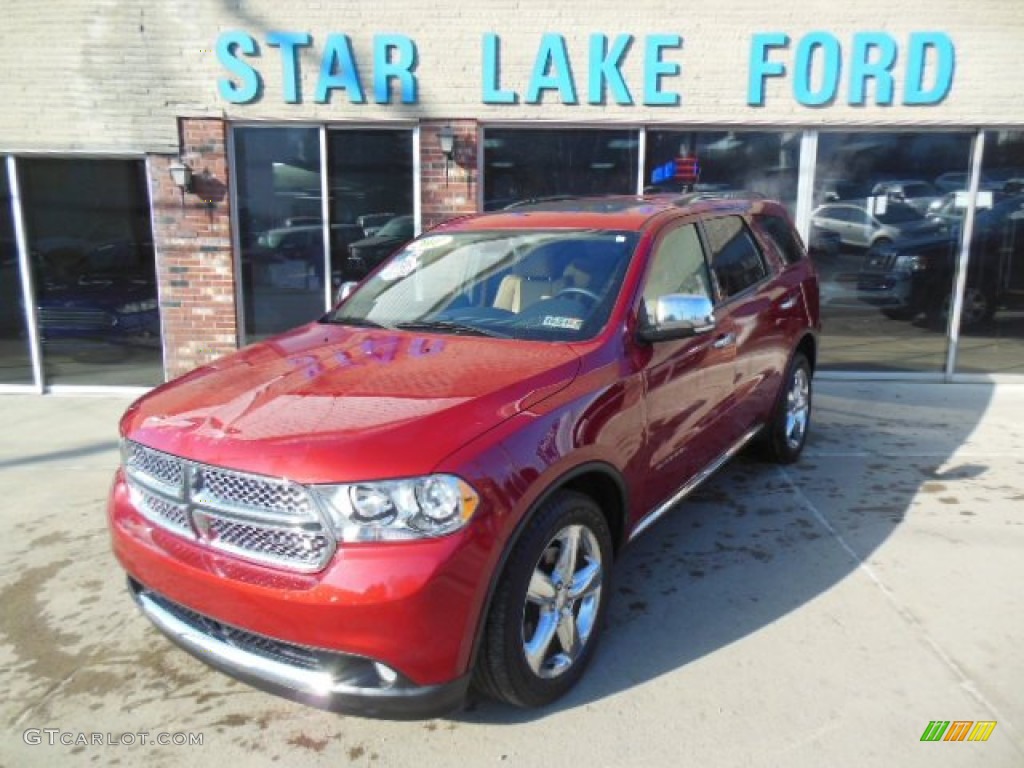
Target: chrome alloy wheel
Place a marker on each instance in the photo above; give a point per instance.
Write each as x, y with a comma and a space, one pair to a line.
562, 601
798, 408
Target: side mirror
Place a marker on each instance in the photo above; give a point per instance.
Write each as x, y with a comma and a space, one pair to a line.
677, 316
344, 291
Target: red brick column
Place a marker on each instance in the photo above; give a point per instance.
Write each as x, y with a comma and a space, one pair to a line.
444, 197
195, 268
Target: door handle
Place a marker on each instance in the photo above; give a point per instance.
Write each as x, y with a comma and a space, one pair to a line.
724, 341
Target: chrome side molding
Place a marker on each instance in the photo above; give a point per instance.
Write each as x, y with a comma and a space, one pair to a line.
695, 481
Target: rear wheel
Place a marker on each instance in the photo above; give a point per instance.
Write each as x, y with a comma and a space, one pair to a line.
547, 611
787, 430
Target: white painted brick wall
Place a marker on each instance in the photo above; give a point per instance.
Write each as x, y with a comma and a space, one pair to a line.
113, 75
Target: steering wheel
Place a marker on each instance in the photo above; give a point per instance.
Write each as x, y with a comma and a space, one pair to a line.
581, 291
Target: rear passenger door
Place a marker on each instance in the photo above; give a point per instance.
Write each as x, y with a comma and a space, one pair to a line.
745, 320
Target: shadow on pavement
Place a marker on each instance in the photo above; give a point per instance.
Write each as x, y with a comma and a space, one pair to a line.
758, 541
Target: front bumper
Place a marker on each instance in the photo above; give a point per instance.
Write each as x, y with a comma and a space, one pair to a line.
323, 679
412, 607
903, 290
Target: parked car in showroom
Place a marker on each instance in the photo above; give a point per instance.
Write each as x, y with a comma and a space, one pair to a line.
107, 293
427, 488
367, 253
919, 195
300, 243
859, 227
916, 276
372, 222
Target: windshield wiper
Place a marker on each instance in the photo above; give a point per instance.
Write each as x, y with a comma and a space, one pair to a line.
449, 326
360, 322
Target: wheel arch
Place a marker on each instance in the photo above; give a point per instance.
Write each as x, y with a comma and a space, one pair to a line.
597, 480
808, 345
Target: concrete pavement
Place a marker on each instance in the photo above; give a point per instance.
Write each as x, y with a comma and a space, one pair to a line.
819, 614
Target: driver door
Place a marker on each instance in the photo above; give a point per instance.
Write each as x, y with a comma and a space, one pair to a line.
687, 382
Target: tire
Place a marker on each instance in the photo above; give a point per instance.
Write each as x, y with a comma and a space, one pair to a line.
536, 612
979, 307
786, 432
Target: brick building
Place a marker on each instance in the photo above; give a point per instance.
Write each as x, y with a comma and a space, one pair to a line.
315, 136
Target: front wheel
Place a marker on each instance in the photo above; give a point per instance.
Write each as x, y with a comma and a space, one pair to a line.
547, 611
791, 418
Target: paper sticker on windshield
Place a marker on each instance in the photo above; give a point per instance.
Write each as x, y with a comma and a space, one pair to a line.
569, 323
402, 266
428, 243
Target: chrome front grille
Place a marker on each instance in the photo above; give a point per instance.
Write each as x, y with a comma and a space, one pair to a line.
264, 519
77, 318
159, 509
219, 487
160, 469
284, 546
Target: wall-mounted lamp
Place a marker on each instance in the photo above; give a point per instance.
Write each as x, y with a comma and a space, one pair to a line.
181, 175
446, 138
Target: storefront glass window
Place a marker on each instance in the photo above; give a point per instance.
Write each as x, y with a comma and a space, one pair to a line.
524, 165
91, 246
886, 246
15, 363
992, 318
280, 227
371, 176
724, 162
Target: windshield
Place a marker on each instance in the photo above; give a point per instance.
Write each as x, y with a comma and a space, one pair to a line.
398, 227
557, 285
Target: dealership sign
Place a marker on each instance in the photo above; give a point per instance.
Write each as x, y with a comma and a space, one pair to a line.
814, 66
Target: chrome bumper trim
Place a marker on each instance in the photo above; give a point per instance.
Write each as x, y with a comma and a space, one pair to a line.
400, 699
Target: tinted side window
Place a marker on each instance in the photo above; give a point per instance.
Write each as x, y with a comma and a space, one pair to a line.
735, 258
678, 266
782, 235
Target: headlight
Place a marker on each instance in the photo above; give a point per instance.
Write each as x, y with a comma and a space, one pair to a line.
395, 510
911, 262
134, 307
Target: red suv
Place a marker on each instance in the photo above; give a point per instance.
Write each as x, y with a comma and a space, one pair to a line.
427, 488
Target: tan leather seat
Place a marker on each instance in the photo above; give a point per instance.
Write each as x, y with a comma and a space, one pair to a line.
536, 278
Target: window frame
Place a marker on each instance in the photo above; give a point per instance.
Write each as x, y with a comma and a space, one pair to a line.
767, 275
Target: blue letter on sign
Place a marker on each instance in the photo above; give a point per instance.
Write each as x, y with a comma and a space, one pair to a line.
862, 67
338, 70
493, 93
384, 68
289, 42
248, 86
920, 44
605, 68
826, 92
760, 67
655, 69
552, 56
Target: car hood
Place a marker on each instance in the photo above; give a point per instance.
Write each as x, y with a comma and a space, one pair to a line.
379, 241
914, 228
330, 403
